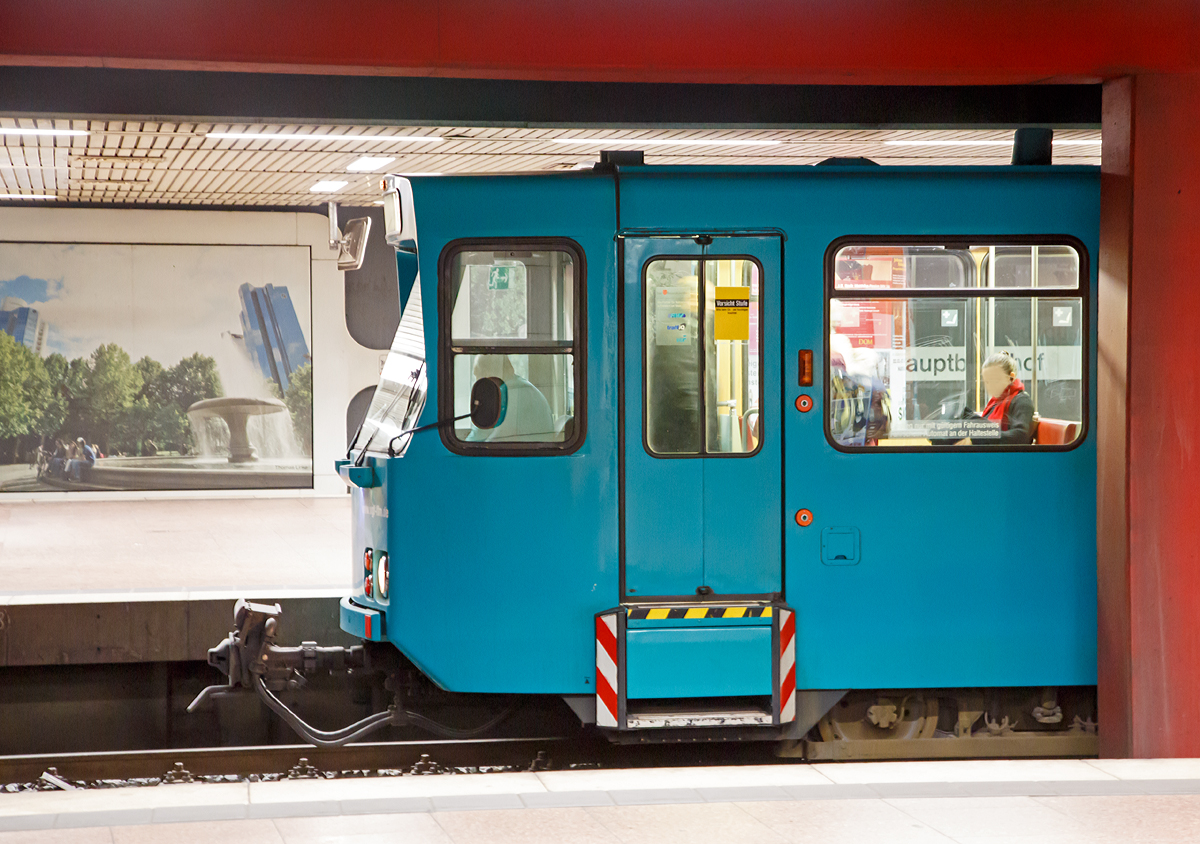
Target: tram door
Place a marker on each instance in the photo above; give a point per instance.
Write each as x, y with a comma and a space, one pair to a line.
703, 451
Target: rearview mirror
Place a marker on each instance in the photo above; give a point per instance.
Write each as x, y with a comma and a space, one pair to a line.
399, 216
489, 402
353, 246
393, 219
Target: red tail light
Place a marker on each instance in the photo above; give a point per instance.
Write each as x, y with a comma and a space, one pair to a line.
368, 571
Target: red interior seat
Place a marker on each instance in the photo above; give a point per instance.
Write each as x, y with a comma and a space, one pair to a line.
1055, 431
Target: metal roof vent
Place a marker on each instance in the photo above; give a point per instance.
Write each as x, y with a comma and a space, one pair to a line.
853, 161
622, 157
1033, 146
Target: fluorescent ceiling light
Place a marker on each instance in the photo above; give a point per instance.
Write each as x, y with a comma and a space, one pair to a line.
328, 186
294, 136
27, 196
369, 163
1007, 142
49, 133
414, 173
669, 142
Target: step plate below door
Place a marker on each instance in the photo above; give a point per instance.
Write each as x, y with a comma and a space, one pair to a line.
693, 645
745, 718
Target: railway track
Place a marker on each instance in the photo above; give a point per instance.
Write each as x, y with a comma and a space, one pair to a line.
443, 756
437, 756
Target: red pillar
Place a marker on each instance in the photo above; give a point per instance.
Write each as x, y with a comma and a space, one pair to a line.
1149, 418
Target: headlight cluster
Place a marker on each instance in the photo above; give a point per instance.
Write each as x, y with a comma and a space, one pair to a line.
375, 574
381, 577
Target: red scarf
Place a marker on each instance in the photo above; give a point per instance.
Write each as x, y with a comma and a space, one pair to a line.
997, 408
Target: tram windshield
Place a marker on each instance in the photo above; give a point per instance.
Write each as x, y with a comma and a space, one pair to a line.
403, 386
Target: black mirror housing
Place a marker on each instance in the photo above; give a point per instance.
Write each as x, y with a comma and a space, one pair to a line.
489, 402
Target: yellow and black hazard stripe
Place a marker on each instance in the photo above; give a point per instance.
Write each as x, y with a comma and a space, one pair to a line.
654, 613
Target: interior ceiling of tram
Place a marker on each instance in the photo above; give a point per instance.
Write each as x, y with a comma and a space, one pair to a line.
127, 162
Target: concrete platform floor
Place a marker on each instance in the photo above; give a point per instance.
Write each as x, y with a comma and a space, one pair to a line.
984, 802
174, 544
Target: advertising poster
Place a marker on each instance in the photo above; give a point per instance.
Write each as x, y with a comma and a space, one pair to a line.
147, 367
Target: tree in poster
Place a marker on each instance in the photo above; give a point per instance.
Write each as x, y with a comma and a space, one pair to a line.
24, 388
105, 398
147, 420
54, 414
111, 383
299, 399
152, 379
154, 414
192, 379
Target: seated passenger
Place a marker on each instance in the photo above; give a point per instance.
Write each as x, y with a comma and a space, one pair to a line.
527, 416
1008, 402
860, 405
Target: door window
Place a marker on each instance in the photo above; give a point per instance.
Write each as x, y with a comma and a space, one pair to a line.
703, 392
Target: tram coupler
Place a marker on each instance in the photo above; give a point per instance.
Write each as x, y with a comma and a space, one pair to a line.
252, 662
250, 652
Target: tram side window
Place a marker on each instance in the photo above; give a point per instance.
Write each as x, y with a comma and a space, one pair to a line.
933, 370
889, 267
702, 385
513, 314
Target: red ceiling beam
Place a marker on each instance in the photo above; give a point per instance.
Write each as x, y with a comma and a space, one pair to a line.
774, 41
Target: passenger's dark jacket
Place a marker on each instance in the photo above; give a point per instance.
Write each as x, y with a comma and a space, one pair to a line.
1013, 409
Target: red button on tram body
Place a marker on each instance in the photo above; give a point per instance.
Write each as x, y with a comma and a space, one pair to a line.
804, 404
804, 518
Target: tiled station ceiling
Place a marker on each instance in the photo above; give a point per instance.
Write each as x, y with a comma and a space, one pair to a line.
110, 161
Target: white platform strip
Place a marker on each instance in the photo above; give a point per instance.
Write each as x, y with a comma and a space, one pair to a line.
565, 789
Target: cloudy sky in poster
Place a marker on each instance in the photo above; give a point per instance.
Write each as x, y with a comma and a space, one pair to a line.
163, 301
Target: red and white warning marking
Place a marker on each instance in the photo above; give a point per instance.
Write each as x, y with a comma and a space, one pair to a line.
606, 670
787, 666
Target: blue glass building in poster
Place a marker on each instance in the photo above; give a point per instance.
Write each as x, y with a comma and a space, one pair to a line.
271, 332
21, 323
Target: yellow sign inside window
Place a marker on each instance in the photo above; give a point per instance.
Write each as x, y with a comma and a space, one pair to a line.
732, 318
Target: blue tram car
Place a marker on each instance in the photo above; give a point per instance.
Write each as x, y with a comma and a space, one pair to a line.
745, 482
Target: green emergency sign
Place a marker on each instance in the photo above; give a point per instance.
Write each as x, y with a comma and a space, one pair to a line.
501, 278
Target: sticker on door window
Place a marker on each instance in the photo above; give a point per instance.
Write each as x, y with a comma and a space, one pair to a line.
674, 315
731, 320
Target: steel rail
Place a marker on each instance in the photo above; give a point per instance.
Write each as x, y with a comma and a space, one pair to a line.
279, 759
368, 758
